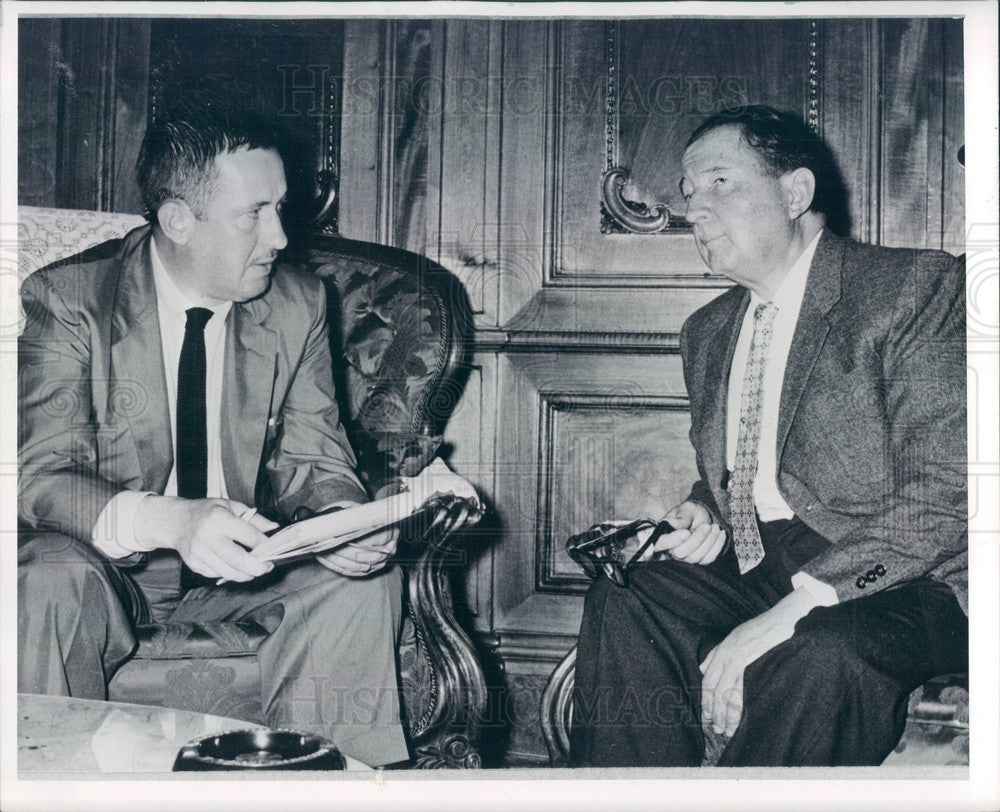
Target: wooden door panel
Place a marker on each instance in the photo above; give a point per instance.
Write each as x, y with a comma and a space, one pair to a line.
581, 437
670, 75
624, 457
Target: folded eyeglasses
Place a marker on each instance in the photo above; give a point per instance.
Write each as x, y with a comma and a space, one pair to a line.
602, 548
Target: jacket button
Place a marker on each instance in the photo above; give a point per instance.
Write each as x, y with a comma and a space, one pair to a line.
870, 576
879, 570
861, 582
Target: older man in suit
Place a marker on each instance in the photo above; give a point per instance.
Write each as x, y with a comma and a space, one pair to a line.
171, 384
817, 574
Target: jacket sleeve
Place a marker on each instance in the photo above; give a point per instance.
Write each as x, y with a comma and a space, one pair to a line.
923, 518
59, 486
312, 463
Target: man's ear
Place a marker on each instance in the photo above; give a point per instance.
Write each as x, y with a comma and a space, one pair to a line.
176, 220
800, 186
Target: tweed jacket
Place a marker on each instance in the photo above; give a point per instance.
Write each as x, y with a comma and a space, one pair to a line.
94, 415
871, 445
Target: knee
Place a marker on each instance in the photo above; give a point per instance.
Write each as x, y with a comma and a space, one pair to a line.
374, 589
603, 600
604, 593
647, 592
597, 593
57, 569
382, 592
319, 591
829, 639
56, 550
822, 646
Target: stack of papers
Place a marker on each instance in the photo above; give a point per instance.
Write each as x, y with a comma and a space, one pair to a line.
326, 531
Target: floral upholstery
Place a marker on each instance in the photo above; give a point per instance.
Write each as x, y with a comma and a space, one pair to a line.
391, 338
222, 685
178, 641
399, 322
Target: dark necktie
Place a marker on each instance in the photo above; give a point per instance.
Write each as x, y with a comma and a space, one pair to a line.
192, 434
746, 536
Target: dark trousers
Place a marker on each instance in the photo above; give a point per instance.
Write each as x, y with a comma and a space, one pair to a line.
834, 694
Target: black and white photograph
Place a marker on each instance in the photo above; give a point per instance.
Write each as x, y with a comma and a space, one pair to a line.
558, 405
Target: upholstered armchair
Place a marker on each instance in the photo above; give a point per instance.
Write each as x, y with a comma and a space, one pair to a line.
400, 324
937, 727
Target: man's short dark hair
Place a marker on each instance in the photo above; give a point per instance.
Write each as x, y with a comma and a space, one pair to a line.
784, 142
176, 159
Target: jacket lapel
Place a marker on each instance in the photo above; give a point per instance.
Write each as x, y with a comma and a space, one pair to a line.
821, 294
137, 356
249, 374
719, 360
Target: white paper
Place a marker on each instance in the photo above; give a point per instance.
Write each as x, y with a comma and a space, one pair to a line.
330, 530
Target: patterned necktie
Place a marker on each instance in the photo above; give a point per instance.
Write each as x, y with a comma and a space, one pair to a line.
746, 536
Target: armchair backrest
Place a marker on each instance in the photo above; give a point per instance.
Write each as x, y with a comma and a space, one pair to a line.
401, 324
399, 321
46, 235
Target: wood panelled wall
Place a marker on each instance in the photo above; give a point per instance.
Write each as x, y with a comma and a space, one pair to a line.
482, 143
87, 88
82, 97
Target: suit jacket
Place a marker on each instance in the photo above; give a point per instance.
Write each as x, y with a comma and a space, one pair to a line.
871, 442
94, 413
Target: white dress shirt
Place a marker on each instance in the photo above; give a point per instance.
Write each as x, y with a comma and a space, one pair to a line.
768, 500
788, 299
114, 532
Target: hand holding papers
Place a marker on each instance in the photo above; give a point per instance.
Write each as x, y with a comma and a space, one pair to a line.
326, 531
436, 478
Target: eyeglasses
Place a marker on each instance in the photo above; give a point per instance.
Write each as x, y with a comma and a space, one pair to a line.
601, 549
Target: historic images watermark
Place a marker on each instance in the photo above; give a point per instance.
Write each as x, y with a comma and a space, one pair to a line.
305, 91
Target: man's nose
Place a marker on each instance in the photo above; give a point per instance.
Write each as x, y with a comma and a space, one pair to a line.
697, 209
274, 233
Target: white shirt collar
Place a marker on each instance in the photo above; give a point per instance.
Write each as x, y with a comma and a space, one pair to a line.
171, 297
792, 288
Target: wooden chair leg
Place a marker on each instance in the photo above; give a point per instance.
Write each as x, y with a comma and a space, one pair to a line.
557, 709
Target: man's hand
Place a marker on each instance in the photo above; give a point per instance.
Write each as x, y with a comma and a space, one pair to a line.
722, 671
363, 556
370, 553
206, 533
697, 539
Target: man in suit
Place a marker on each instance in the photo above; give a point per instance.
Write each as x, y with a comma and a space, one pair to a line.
171, 384
817, 574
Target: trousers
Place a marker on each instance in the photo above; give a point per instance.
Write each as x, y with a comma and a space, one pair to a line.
834, 694
331, 637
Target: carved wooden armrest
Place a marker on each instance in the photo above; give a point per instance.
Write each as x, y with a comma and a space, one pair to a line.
447, 733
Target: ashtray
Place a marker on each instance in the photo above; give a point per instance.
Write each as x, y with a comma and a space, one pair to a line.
259, 750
